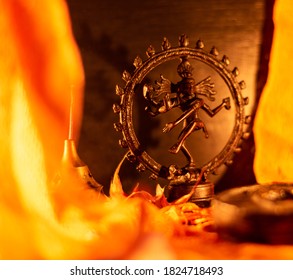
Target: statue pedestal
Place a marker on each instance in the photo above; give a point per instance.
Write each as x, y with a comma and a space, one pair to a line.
202, 195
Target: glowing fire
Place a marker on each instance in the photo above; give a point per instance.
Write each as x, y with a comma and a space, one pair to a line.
39, 67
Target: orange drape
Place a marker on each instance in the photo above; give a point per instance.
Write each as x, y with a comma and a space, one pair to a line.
273, 124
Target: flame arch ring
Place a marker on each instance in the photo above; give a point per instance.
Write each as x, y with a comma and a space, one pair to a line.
143, 68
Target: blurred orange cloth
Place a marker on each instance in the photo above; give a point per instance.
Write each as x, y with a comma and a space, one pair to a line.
274, 118
40, 66
40, 69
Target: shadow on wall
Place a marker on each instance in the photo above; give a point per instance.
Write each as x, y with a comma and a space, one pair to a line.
97, 129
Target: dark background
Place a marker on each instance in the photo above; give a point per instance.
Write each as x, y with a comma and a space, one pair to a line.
111, 33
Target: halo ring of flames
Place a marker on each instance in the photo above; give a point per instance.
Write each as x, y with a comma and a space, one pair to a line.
125, 109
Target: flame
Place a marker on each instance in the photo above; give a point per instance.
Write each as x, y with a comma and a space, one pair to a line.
46, 218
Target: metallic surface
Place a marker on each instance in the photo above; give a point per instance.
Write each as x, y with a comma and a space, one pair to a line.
72, 165
190, 174
259, 213
202, 194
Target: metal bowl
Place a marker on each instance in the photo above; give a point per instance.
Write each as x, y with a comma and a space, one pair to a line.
257, 213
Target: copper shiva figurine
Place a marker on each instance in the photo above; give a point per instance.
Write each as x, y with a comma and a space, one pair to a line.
191, 98
164, 96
